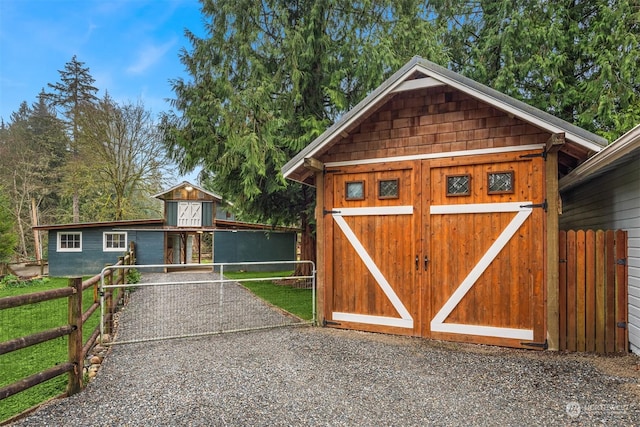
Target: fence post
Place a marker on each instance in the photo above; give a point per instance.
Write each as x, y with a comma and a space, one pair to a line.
75, 338
121, 271
132, 253
108, 298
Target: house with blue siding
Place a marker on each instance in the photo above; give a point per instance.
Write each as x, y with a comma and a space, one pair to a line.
604, 193
190, 212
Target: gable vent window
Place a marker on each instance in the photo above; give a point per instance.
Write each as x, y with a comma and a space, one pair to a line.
500, 182
354, 190
388, 189
458, 185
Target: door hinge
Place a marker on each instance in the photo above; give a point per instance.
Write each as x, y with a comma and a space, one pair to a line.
325, 212
544, 205
326, 322
534, 155
622, 325
543, 345
621, 261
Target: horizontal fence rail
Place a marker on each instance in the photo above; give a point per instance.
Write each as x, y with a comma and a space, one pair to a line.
593, 291
76, 318
173, 305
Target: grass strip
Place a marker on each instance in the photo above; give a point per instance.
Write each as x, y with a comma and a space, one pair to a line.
293, 300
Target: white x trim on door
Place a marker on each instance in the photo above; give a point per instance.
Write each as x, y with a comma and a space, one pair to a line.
438, 324
405, 320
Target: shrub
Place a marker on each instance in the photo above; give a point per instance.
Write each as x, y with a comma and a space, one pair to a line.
133, 276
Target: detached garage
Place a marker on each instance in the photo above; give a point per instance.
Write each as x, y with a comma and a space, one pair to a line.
437, 211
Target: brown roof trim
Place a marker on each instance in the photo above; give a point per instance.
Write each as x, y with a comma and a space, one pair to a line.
126, 223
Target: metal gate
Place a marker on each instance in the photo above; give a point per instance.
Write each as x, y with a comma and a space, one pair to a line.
198, 300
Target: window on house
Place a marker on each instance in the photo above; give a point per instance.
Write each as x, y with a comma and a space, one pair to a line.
354, 190
500, 182
114, 242
458, 185
388, 189
69, 241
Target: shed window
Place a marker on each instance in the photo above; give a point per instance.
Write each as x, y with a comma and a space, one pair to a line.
69, 241
388, 189
114, 242
458, 185
354, 190
500, 182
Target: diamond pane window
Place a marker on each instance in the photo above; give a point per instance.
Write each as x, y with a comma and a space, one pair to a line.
500, 182
458, 185
388, 189
355, 190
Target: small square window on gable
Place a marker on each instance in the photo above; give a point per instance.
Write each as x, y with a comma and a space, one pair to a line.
388, 189
458, 185
500, 182
354, 190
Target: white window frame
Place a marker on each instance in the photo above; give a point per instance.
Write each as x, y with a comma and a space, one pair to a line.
59, 247
104, 241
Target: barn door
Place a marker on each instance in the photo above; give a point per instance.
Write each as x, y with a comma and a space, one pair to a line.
371, 259
486, 252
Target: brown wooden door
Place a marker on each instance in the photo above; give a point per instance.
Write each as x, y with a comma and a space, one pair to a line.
485, 244
457, 254
372, 230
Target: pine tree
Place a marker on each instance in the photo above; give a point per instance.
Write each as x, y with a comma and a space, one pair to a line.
74, 93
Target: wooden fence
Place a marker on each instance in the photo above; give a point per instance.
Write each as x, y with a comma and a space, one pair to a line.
73, 330
593, 291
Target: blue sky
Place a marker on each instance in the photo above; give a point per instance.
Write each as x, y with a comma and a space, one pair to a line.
130, 46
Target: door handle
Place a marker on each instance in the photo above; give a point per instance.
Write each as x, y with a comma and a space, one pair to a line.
417, 262
426, 262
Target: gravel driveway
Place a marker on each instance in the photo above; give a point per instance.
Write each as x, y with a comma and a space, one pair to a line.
299, 376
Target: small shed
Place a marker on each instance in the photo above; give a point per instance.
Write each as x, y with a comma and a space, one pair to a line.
437, 211
604, 193
190, 212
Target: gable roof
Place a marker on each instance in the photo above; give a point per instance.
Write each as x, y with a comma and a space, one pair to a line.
436, 75
620, 150
185, 184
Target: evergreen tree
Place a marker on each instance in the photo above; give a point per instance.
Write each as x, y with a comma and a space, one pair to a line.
579, 60
7, 232
272, 76
74, 93
33, 148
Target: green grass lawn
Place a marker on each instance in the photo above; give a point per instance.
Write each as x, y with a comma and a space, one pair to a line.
25, 320
295, 301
